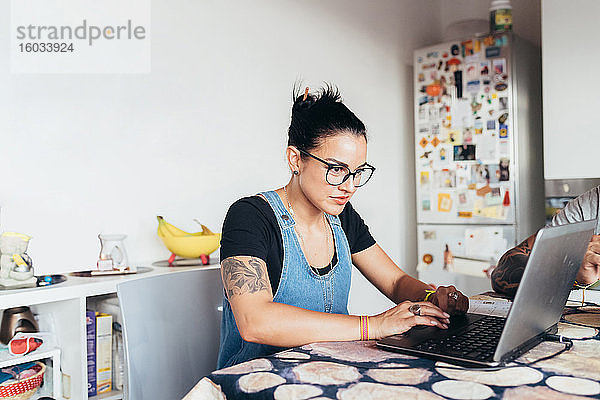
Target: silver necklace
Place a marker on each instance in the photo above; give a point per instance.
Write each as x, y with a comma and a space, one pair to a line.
287, 200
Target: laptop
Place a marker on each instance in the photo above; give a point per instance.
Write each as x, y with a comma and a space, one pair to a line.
489, 341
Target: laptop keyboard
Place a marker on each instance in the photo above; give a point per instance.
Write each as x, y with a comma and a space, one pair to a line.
477, 342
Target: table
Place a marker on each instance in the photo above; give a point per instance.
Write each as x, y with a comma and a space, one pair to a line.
359, 370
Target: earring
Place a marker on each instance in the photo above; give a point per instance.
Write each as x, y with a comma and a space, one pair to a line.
296, 172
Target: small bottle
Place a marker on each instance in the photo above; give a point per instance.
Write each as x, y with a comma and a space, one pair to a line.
500, 16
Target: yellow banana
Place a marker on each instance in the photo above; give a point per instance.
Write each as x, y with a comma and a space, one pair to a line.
186, 244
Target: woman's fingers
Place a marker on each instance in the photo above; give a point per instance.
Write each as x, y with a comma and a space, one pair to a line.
430, 321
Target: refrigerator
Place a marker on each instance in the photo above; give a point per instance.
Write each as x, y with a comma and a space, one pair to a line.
478, 155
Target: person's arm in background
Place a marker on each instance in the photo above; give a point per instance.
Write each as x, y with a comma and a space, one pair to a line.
509, 270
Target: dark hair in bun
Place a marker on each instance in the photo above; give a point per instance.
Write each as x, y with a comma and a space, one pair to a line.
316, 117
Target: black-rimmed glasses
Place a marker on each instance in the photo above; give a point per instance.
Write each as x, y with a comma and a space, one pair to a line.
338, 174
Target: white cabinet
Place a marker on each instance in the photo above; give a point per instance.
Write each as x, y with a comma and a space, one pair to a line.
67, 303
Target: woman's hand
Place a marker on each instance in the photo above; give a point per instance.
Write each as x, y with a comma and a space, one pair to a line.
590, 268
406, 315
450, 300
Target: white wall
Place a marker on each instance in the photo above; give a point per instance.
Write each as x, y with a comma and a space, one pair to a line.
83, 154
570, 63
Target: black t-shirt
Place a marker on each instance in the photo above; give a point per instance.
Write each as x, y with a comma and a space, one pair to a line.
251, 229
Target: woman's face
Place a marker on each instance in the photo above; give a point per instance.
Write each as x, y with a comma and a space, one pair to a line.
344, 149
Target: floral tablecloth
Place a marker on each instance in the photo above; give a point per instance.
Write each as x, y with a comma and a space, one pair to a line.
359, 370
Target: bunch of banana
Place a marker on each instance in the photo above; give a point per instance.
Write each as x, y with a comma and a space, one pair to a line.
188, 245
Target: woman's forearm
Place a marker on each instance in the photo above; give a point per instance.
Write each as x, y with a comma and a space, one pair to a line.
283, 325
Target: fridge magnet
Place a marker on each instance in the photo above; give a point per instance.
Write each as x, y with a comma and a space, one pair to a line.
501, 41
426, 205
434, 89
455, 137
499, 65
503, 148
445, 55
435, 129
426, 154
432, 54
424, 130
423, 142
488, 41
467, 48
421, 77
504, 173
465, 152
427, 258
465, 214
491, 125
473, 86
493, 198
482, 191
503, 131
424, 177
501, 86
435, 141
444, 202
454, 50
484, 68
445, 178
468, 136
448, 258
503, 103
486, 149
462, 198
443, 154
472, 72
461, 175
506, 201
422, 101
475, 106
429, 235
494, 170
480, 174
502, 118
492, 51
419, 59
434, 113
478, 126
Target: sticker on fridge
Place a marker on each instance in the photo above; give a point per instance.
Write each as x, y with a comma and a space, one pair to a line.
504, 173
465, 152
444, 202
499, 66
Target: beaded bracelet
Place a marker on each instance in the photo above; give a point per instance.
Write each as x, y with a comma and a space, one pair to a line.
429, 293
364, 327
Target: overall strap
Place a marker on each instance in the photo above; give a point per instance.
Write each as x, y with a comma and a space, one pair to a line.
284, 219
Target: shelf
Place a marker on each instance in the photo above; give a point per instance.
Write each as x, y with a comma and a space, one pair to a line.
6, 360
112, 395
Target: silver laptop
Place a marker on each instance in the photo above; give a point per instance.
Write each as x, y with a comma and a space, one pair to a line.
479, 340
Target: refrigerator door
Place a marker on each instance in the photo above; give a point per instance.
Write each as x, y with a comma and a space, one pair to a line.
460, 254
464, 132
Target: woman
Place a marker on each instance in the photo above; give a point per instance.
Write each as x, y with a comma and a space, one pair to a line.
287, 255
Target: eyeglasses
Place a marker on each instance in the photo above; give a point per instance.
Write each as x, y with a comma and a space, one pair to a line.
338, 174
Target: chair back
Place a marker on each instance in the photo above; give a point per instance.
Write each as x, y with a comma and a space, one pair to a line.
171, 327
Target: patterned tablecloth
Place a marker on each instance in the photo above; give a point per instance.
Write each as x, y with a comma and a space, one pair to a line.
359, 370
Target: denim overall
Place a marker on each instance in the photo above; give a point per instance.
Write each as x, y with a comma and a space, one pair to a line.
298, 286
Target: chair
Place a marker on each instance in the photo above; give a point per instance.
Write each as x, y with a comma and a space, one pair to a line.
171, 326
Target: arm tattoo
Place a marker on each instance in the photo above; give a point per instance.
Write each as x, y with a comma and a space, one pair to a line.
509, 271
241, 277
